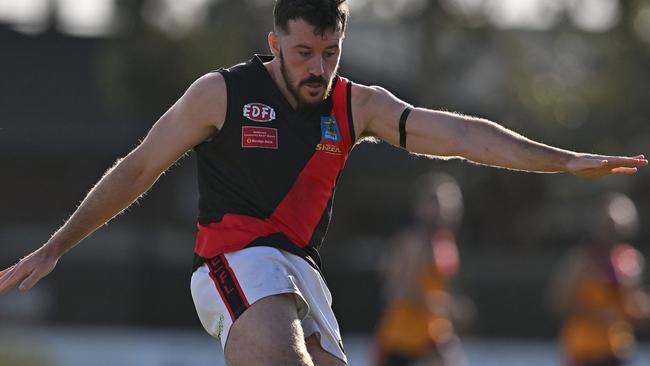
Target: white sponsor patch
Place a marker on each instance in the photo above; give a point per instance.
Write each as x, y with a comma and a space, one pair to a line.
259, 112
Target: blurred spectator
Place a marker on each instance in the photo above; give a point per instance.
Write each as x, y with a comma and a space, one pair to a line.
597, 289
417, 327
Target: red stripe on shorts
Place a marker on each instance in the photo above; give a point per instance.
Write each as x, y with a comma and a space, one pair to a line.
226, 283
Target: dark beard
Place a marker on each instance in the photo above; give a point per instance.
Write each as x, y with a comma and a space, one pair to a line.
294, 90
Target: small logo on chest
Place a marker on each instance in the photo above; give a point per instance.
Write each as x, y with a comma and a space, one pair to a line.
260, 137
259, 112
329, 130
330, 136
329, 148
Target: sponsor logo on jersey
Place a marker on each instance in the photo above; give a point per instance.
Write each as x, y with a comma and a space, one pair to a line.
260, 137
329, 129
259, 112
329, 148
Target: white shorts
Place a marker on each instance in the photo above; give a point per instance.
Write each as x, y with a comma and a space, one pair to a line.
231, 282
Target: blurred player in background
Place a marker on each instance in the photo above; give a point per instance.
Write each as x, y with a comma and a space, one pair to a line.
597, 289
417, 327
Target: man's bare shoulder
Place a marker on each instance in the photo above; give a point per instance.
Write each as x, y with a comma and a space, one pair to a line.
373, 106
206, 99
210, 87
211, 80
369, 96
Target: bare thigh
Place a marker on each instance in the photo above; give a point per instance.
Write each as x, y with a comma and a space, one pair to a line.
268, 334
319, 355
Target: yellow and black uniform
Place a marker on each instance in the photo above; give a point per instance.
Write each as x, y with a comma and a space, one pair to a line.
598, 330
416, 323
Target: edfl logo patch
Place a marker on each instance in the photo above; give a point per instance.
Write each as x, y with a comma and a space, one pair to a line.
259, 112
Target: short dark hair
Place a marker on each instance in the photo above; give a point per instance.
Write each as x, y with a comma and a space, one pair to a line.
324, 15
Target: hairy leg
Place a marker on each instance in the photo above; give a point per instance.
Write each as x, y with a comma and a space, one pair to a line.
319, 355
268, 334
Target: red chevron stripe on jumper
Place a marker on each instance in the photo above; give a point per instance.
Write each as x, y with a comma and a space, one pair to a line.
300, 211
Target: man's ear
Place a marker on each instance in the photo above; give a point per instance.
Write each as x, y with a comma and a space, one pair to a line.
274, 43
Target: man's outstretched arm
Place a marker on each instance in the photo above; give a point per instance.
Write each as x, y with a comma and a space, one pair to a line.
196, 116
444, 134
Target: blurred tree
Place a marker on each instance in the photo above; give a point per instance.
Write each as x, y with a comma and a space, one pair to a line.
146, 64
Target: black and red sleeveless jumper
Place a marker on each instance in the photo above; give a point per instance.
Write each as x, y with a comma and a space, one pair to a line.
268, 177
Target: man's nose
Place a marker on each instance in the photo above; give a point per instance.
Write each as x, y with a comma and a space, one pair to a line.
317, 66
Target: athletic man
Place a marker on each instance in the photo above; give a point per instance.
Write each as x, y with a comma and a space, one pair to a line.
271, 137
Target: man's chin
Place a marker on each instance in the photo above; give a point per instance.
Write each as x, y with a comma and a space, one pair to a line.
312, 100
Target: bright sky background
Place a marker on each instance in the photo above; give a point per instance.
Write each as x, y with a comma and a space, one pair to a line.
83, 18
97, 17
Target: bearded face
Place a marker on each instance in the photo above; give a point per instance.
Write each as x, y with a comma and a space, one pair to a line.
308, 62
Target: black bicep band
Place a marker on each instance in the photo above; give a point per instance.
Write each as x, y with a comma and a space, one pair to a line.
402, 126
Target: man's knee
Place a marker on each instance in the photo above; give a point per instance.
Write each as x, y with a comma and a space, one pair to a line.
268, 333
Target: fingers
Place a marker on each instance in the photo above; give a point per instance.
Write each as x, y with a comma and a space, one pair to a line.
11, 277
636, 161
603, 165
624, 170
31, 269
2, 273
33, 278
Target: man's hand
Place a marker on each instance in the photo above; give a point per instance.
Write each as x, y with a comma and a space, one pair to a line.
600, 165
32, 268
